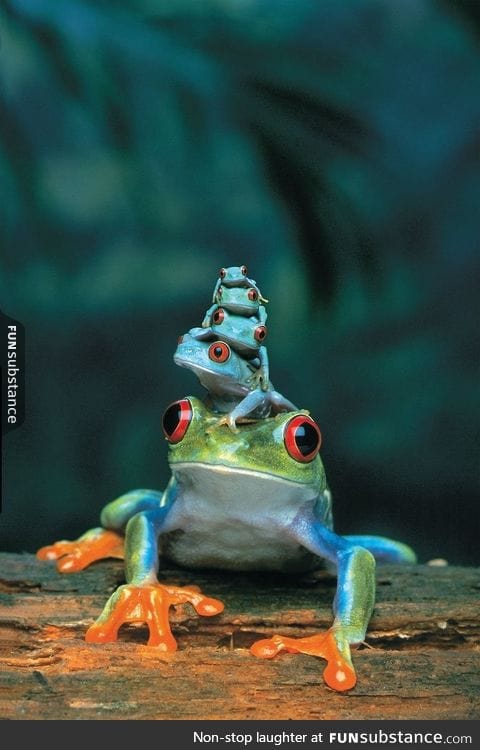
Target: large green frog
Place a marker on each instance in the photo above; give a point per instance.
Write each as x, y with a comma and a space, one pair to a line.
252, 500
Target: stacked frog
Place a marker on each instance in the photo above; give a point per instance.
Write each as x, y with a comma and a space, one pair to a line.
228, 354
250, 498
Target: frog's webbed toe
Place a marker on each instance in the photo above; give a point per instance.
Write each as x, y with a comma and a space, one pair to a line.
339, 673
228, 420
95, 544
150, 604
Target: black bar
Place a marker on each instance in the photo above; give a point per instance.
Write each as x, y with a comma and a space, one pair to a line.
246, 734
12, 376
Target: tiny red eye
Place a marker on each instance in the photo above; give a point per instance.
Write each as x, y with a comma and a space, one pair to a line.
244, 270
219, 351
252, 295
260, 333
176, 420
218, 316
222, 273
180, 340
302, 438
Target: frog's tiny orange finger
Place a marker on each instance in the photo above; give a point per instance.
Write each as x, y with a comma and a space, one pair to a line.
192, 595
53, 551
267, 648
339, 675
209, 607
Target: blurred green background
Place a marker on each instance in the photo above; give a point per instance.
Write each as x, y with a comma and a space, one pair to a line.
333, 148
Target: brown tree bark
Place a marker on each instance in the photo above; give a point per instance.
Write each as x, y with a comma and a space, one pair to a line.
421, 659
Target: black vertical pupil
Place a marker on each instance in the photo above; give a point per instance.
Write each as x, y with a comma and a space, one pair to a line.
306, 438
171, 418
218, 351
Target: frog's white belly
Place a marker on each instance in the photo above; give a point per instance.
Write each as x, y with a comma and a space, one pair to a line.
236, 520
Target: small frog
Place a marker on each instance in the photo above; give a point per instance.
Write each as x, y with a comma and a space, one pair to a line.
230, 380
244, 335
235, 276
238, 301
250, 501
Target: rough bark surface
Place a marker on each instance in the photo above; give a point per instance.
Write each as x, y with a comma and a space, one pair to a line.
421, 659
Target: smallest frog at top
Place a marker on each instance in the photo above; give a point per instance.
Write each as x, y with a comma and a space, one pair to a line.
237, 294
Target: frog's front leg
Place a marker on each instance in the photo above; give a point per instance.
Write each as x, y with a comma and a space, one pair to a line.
256, 401
143, 598
353, 603
207, 320
264, 368
101, 542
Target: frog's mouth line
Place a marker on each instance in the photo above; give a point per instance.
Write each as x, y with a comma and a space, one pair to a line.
189, 365
213, 381
195, 366
224, 470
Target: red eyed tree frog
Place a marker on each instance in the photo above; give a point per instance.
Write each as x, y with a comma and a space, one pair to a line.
244, 335
230, 380
252, 500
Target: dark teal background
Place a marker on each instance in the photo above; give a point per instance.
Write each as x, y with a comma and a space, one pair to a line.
334, 149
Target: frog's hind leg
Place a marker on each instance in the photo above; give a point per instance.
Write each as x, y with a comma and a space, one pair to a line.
385, 550
353, 603
101, 542
143, 598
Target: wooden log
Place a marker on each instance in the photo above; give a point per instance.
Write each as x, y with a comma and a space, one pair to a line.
421, 659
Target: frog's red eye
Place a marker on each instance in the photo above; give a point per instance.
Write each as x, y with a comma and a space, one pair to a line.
260, 333
252, 295
243, 270
222, 273
219, 351
218, 316
176, 420
302, 438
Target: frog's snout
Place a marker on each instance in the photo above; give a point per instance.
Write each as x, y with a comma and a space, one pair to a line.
186, 355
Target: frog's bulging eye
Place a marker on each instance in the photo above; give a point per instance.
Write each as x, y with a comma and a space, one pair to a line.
243, 270
302, 438
260, 333
219, 351
176, 420
222, 273
218, 316
252, 295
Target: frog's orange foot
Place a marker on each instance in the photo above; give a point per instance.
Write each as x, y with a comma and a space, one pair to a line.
148, 603
339, 673
94, 545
